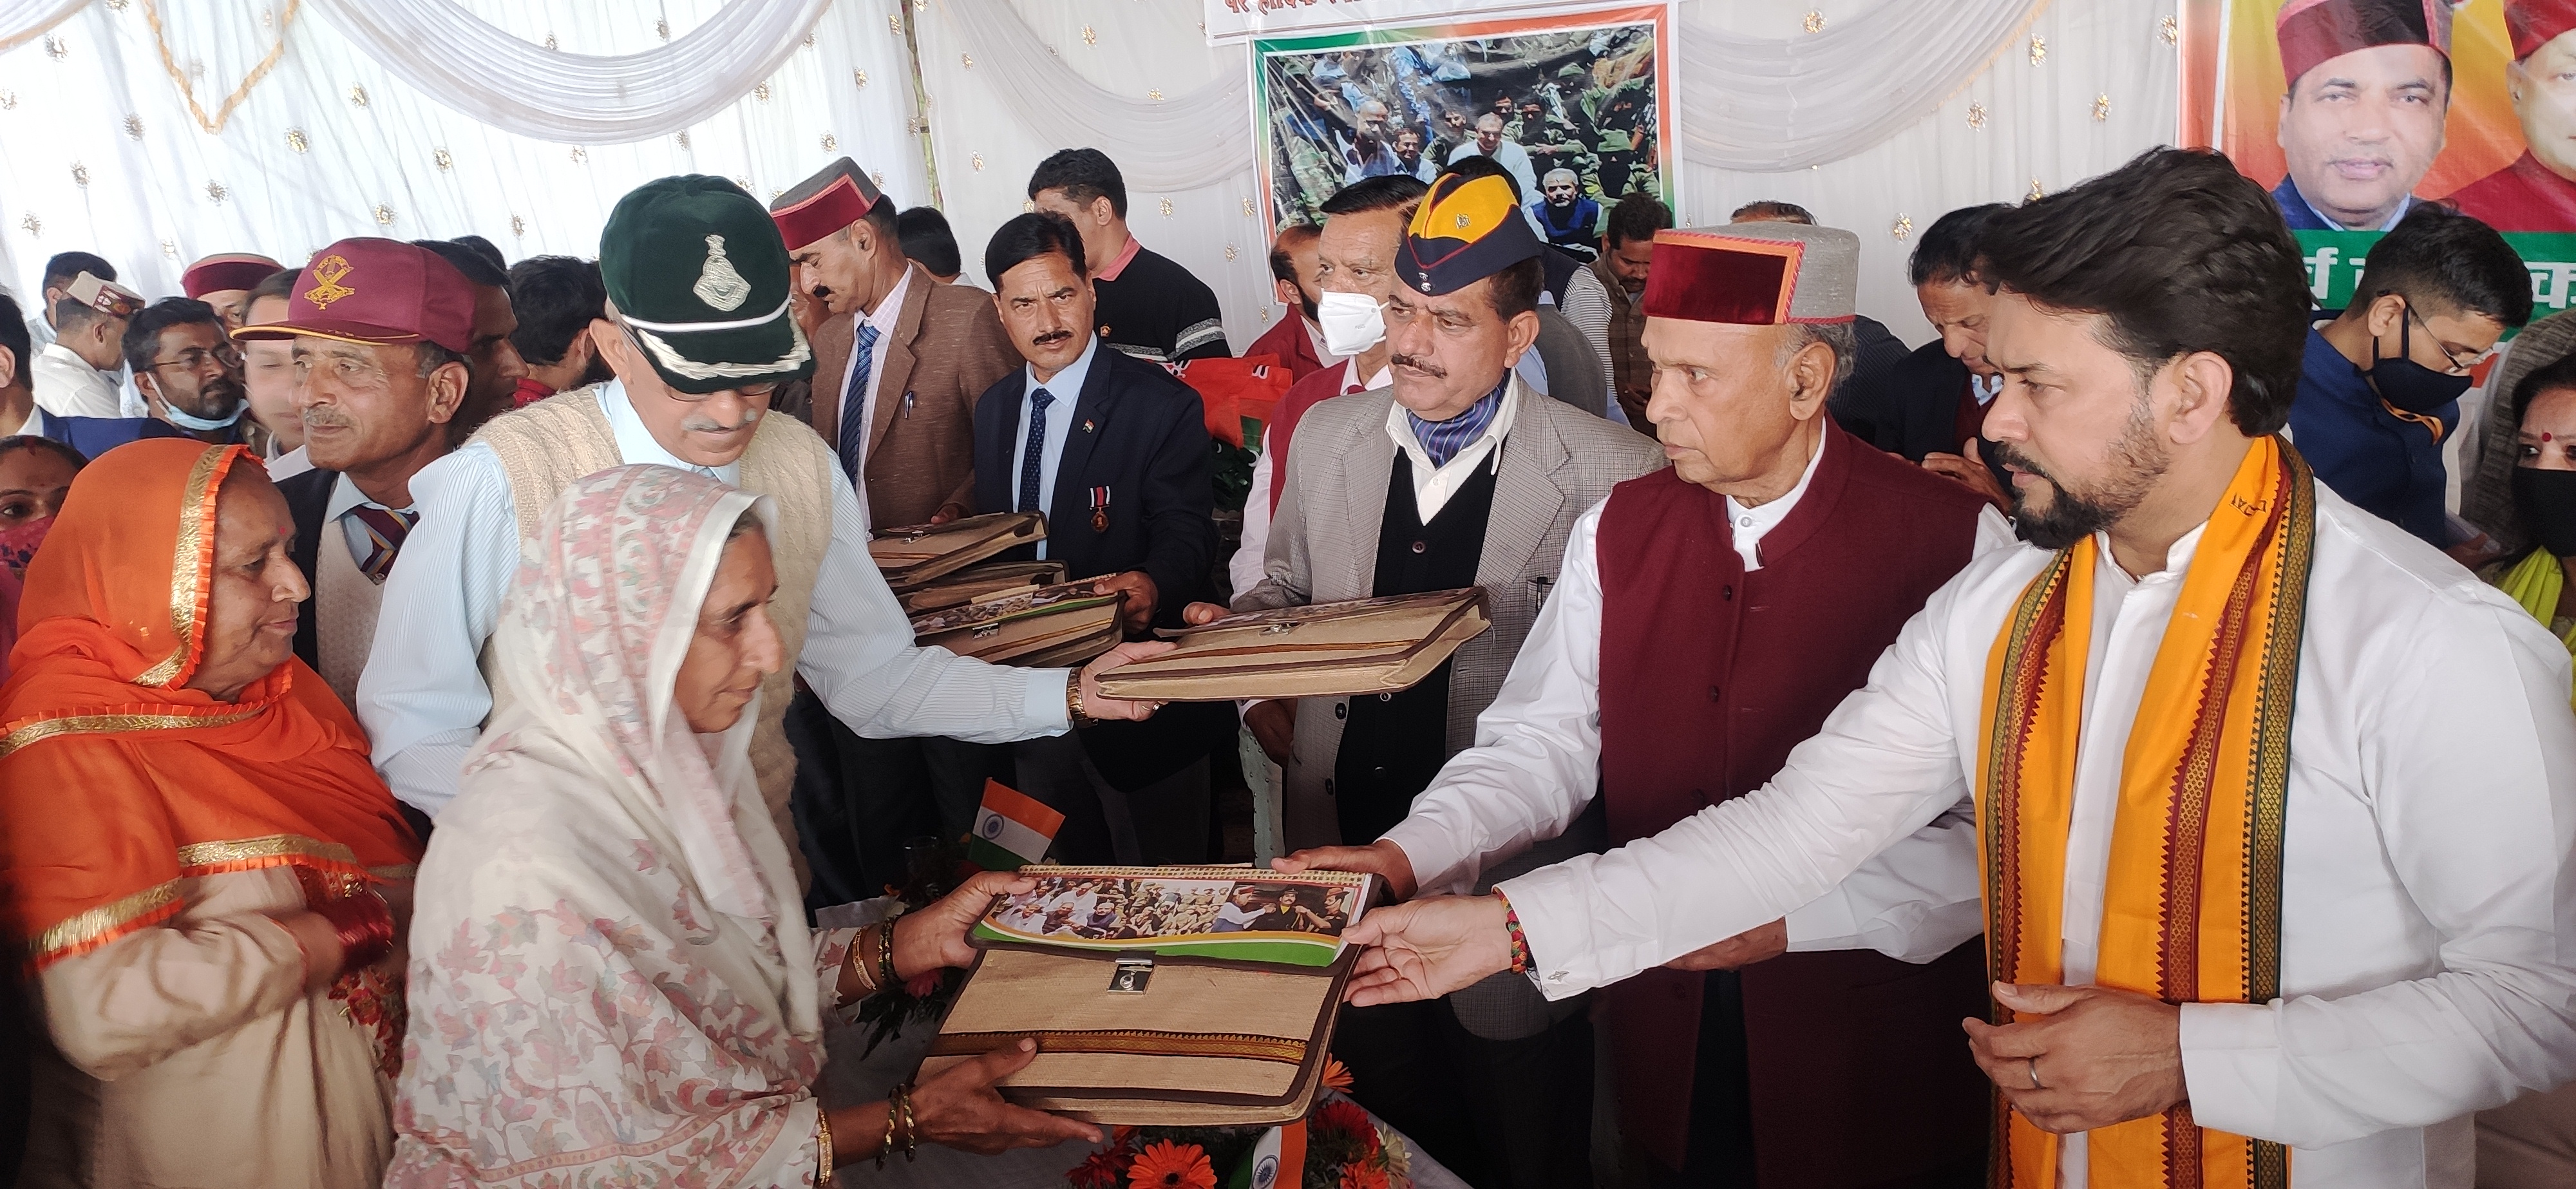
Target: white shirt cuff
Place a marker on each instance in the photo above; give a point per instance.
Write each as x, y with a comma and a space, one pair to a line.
1826, 923
1435, 858
1043, 705
2231, 1064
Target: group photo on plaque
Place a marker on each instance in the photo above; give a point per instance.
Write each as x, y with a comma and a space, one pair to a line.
1260, 594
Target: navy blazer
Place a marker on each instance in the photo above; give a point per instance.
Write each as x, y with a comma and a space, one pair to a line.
1141, 435
1912, 408
93, 436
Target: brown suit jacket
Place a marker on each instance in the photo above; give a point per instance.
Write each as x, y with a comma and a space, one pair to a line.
948, 346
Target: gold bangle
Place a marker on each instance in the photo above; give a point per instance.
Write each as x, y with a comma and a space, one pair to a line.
1073, 715
885, 1147
911, 1138
822, 1146
860, 945
886, 977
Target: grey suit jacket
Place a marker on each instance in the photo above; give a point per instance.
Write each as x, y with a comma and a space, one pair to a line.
1557, 461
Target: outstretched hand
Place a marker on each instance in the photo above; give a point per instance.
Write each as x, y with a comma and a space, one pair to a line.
1097, 706
934, 938
959, 1108
1969, 467
2081, 1057
1424, 949
1381, 858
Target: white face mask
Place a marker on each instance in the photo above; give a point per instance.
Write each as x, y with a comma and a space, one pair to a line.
1352, 322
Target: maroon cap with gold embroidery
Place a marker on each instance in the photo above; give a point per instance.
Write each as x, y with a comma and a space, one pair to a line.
2535, 23
370, 290
840, 195
1754, 274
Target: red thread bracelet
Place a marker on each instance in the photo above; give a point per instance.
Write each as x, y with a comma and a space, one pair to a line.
365, 925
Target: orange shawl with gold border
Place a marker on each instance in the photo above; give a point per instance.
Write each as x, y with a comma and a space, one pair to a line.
117, 781
2192, 907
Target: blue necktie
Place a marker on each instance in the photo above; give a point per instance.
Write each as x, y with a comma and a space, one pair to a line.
854, 411
1033, 459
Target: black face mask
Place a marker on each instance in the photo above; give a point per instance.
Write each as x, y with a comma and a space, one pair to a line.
2409, 385
2547, 500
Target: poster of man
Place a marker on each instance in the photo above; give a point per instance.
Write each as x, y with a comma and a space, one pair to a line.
2354, 112
1545, 98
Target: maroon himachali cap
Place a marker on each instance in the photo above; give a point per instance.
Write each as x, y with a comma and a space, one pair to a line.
215, 274
376, 291
2313, 32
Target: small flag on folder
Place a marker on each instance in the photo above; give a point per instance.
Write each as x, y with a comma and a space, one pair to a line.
1011, 830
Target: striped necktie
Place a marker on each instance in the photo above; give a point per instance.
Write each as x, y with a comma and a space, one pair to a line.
386, 529
1032, 460
854, 412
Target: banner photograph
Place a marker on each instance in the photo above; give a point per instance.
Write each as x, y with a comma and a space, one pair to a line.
2352, 111
1572, 107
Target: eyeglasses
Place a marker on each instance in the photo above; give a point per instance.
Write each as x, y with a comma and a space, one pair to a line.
194, 359
2459, 366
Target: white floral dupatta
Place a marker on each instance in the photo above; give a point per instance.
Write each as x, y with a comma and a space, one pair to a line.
611, 977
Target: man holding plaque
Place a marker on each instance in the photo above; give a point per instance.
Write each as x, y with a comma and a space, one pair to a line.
1453, 477
1752, 539
2276, 806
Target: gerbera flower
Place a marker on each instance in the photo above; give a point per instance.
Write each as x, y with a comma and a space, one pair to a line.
1167, 1165
1106, 1169
1343, 1117
1337, 1076
1363, 1174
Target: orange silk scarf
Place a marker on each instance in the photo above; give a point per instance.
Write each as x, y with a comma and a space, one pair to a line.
116, 780
2192, 910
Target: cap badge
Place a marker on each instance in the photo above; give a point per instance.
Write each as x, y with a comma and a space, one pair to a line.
1426, 284
1462, 222
327, 273
718, 284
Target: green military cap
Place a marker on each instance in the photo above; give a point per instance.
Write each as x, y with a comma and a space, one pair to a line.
697, 271
1570, 70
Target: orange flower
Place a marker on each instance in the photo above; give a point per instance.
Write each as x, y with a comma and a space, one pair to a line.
1166, 1165
1337, 1076
1363, 1174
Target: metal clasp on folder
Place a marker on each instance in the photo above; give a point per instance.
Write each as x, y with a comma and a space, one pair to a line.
1130, 976
1280, 629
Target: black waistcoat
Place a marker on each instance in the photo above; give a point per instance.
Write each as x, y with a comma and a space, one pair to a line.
1393, 744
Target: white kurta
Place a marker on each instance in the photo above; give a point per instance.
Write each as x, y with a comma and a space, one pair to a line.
67, 386
2429, 894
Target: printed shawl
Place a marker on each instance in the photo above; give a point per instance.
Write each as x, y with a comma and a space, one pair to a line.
116, 780
2192, 910
611, 978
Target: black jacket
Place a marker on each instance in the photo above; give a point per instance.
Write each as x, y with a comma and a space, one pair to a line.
1912, 408
308, 497
1141, 435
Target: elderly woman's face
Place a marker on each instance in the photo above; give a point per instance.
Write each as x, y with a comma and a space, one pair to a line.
736, 645
250, 610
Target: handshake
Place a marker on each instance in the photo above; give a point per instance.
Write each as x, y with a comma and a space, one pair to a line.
1427, 948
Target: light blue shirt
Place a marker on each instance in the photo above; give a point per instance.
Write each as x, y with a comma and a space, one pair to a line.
1066, 389
423, 700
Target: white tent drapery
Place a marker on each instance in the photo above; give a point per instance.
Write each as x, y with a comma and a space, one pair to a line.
513, 85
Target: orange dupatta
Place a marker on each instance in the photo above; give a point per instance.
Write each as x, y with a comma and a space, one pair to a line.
2192, 908
117, 781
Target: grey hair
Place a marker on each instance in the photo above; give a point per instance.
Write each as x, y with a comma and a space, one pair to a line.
433, 357
1836, 335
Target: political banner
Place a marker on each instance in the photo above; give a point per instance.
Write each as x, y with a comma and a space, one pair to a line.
2353, 111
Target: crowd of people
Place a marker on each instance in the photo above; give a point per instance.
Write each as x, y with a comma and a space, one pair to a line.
2115, 676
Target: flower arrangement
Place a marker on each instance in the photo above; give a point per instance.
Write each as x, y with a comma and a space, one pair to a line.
1336, 1146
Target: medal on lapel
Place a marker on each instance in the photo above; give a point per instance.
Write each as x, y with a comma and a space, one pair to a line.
1100, 509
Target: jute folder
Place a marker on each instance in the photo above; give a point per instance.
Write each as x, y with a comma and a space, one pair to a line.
976, 584
914, 555
1047, 626
1161, 1030
1364, 646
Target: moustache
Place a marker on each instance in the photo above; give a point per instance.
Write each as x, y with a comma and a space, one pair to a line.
1420, 364
822, 293
220, 395
322, 417
2009, 455
695, 423
1050, 338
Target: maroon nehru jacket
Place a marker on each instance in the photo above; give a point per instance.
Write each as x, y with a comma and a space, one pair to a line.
376, 291
1710, 673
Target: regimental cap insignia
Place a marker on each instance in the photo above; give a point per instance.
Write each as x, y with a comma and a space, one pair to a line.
327, 275
719, 285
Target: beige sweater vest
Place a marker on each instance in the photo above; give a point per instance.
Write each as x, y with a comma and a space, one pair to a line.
549, 445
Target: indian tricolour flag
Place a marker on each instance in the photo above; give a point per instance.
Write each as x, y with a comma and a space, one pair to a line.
1011, 830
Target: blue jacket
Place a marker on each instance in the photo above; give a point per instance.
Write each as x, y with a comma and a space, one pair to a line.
2386, 466
93, 436
2302, 217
